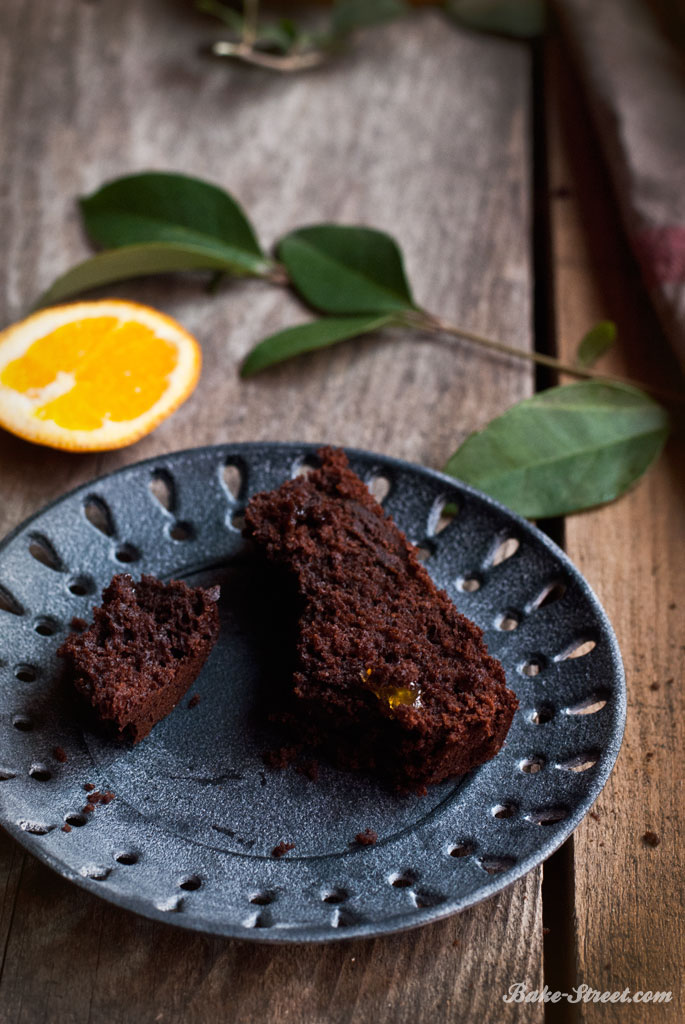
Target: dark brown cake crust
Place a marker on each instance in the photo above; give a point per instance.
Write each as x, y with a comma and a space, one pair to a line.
390, 679
146, 646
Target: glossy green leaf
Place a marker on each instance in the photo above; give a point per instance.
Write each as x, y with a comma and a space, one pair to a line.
158, 207
349, 15
523, 19
346, 270
598, 340
565, 449
127, 262
293, 341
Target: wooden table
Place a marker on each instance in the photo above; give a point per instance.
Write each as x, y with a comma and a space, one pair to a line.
477, 155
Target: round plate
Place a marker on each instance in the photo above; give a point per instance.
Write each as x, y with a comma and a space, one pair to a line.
189, 835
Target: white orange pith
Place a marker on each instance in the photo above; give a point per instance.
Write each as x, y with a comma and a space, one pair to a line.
91, 376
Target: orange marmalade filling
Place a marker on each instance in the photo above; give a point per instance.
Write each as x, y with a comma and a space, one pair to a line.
395, 696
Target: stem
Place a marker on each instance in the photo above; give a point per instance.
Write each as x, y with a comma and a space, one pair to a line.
436, 324
246, 49
277, 274
250, 22
291, 62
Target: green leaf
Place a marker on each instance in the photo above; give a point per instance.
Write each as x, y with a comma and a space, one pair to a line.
232, 19
598, 340
159, 207
293, 341
346, 270
289, 28
278, 36
349, 15
127, 262
523, 19
565, 449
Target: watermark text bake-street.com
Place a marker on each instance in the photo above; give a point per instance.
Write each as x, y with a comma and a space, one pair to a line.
519, 992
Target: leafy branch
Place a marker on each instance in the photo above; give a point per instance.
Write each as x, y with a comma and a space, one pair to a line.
284, 45
354, 270
278, 45
565, 449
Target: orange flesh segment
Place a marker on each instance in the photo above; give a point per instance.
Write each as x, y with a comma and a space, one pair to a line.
114, 379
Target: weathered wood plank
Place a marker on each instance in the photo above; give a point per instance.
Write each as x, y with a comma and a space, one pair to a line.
76, 959
420, 130
628, 895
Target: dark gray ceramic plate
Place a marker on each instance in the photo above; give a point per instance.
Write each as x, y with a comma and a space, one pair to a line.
188, 838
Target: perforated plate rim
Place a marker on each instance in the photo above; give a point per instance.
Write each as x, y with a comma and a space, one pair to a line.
409, 917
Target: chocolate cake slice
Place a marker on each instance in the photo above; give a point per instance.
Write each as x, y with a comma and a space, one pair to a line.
389, 678
147, 644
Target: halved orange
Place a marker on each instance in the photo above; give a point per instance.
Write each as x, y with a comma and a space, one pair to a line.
90, 376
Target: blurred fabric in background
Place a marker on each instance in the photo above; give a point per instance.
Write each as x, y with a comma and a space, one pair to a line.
631, 59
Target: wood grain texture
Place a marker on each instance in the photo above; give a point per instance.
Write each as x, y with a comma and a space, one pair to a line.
420, 130
74, 958
628, 895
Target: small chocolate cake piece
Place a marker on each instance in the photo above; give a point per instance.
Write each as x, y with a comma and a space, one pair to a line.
389, 678
145, 648
369, 837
